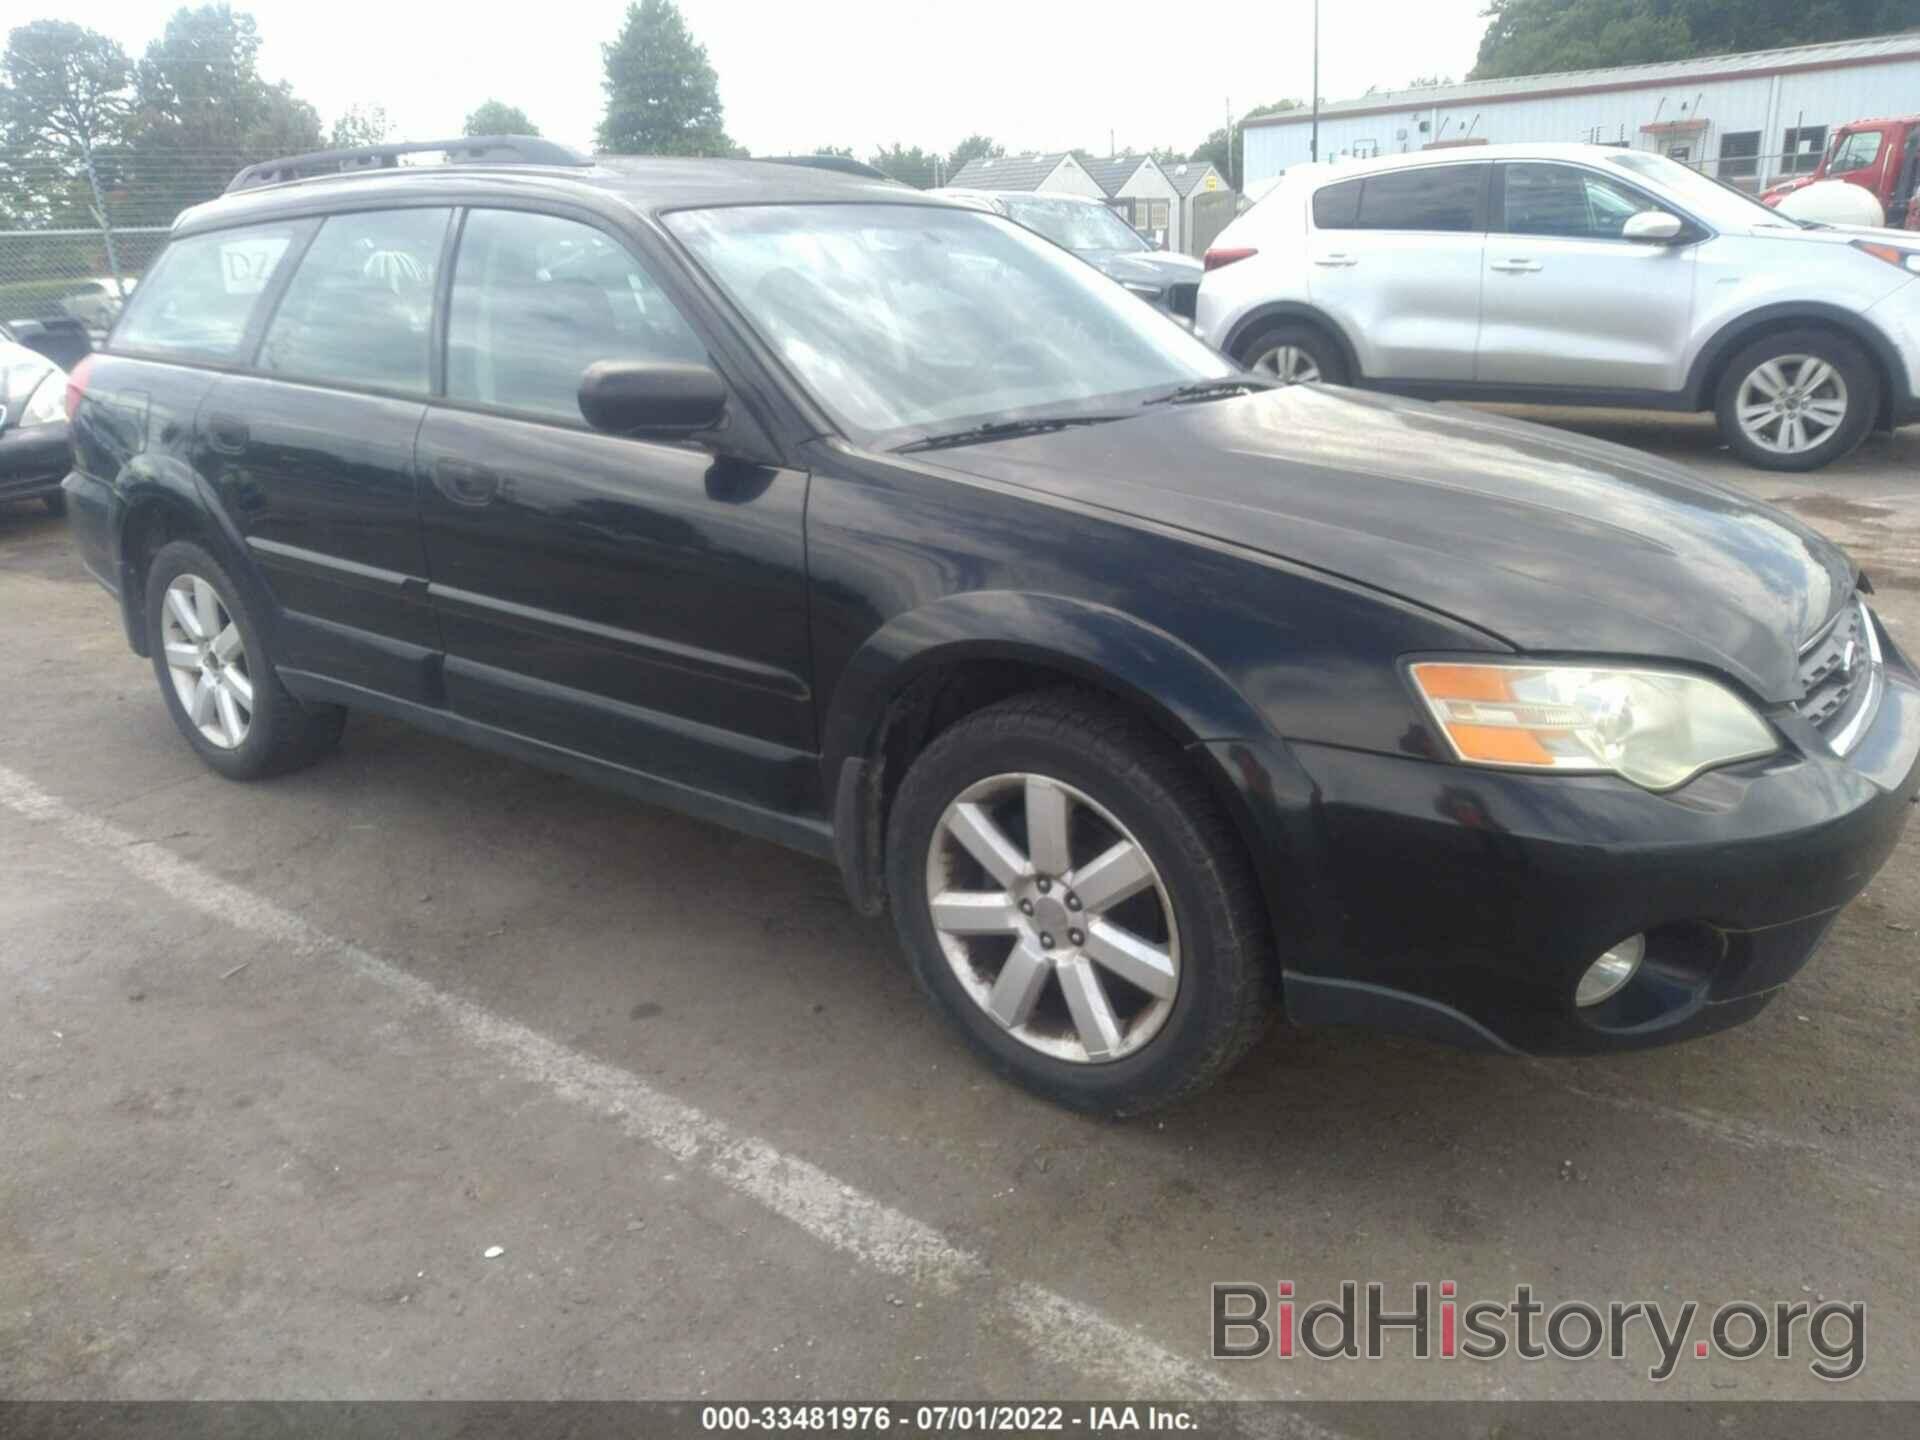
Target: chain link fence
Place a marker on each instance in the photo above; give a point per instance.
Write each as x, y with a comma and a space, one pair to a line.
77, 233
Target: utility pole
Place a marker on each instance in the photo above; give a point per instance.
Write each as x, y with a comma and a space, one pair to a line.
1315, 140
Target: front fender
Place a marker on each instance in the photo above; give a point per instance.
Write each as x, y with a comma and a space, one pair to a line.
1106, 647
1111, 651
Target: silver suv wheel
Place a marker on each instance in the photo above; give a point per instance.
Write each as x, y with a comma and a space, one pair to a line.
1289, 364
1067, 941
207, 661
1791, 403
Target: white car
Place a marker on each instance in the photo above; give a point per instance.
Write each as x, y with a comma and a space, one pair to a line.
96, 303
1575, 274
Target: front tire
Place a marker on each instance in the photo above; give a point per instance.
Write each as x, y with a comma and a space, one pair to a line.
216, 674
1294, 354
1073, 898
1797, 400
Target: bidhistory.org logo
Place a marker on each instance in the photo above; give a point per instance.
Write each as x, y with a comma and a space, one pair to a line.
1250, 1324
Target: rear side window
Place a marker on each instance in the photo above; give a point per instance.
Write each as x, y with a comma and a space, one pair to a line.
200, 296
537, 299
1444, 197
1337, 207
360, 308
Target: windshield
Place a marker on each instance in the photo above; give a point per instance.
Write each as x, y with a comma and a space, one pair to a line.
1714, 202
1077, 226
905, 321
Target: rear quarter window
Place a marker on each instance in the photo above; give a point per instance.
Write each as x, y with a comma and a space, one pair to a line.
1446, 197
1337, 207
200, 296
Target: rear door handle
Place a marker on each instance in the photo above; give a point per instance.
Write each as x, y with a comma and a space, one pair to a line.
1517, 266
1338, 257
227, 434
464, 483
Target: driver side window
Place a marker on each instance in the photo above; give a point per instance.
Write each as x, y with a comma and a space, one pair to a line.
1567, 201
537, 299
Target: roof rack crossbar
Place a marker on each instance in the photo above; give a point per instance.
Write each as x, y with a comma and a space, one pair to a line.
466, 150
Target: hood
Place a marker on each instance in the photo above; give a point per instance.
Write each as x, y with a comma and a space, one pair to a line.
1546, 540
1146, 267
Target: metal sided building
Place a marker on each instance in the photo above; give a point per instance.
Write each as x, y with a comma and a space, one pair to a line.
1748, 119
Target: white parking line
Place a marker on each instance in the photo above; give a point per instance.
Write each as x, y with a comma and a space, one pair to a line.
1055, 1328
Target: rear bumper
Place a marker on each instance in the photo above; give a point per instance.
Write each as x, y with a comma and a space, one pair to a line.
32, 460
1463, 904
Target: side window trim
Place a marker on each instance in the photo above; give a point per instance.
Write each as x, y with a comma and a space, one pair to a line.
443, 304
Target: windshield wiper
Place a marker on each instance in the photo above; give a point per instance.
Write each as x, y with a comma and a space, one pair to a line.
1209, 390
1002, 430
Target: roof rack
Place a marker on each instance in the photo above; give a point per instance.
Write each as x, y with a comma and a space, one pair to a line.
843, 164
467, 150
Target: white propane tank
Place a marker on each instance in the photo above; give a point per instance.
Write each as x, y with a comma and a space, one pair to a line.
1834, 202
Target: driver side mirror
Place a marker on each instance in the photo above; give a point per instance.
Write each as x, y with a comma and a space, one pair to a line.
1655, 227
661, 399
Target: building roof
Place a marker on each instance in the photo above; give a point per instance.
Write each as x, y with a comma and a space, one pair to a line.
1869, 51
1185, 175
1110, 174
1007, 172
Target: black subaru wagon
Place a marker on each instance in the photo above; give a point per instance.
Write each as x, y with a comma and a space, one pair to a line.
1150, 700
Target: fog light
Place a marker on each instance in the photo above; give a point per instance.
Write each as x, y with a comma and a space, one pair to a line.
1612, 970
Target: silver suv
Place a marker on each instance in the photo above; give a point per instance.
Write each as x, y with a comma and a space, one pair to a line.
1575, 274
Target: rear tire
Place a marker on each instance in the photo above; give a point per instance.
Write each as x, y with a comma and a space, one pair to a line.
1176, 940
1294, 354
216, 673
1797, 400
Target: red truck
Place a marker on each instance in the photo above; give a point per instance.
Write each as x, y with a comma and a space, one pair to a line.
1882, 156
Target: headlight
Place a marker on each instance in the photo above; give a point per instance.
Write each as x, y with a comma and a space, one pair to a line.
1657, 728
1149, 292
48, 401
1892, 254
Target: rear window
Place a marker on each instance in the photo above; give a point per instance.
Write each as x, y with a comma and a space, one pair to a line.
1446, 197
1337, 207
201, 294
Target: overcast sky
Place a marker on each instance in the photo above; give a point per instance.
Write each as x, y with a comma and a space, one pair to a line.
1035, 74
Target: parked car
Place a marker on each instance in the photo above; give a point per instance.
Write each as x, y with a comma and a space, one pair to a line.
1097, 235
1880, 156
33, 426
1148, 695
96, 302
65, 342
1575, 275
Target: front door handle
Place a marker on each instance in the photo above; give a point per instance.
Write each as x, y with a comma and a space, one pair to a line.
1517, 266
464, 483
227, 434
1338, 257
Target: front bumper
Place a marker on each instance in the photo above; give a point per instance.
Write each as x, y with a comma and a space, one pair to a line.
1463, 903
33, 459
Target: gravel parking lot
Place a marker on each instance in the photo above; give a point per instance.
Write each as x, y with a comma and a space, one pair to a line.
280, 1065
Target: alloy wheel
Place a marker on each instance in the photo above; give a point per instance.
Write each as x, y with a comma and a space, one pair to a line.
207, 661
1791, 403
1054, 918
1289, 364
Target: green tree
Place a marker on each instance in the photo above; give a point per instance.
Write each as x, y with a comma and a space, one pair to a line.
974, 147
916, 167
496, 117
844, 152
66, 102
1532, 37
1227, 159
360, 125
662, 95
204, 111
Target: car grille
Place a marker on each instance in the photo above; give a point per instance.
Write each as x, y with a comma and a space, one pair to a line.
1182, 299
1840, 677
